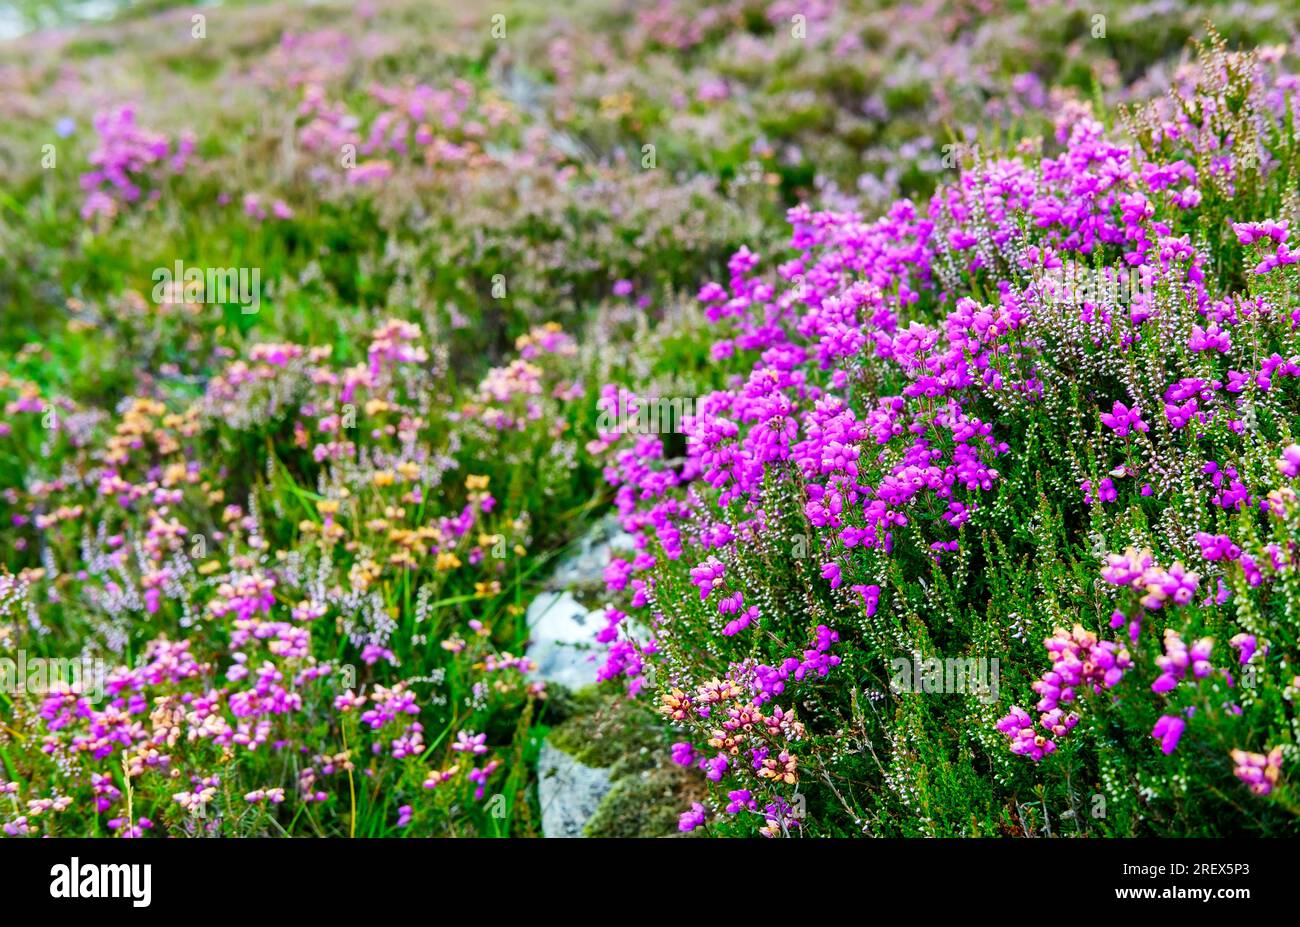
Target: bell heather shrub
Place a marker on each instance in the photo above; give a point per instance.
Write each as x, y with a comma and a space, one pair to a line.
930, 444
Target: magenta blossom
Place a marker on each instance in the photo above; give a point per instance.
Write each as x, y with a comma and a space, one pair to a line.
1168, 730
1121, 419
692, 819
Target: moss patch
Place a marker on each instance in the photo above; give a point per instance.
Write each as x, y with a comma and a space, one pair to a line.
609, 730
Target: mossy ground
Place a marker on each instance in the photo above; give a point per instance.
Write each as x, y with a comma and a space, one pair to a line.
608, 730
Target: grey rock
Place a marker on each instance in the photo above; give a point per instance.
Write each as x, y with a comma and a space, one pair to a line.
561, 632
568, 791
561, 629
585, 566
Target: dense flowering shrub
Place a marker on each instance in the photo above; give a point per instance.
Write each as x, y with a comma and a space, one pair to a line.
296, 637
927, 446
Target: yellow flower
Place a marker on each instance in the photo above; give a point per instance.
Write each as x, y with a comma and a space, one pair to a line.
364, 573
445, 561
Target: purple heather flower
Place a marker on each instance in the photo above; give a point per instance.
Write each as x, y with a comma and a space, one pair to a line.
1121, 419
692, 819
1289, 462
1245, 645
741, 800
1168, 730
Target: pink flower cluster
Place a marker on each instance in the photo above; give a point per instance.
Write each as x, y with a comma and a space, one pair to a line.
1139, 571
1080, 663
1258, 771
1179, 659
129, 159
